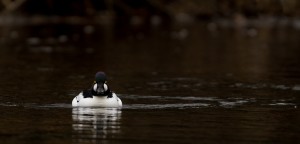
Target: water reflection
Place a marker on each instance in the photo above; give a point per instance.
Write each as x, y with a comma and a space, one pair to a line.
95, 124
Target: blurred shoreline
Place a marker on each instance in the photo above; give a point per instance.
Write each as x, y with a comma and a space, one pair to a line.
106, 19
217, 13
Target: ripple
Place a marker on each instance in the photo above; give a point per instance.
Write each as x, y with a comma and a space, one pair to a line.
282, 104
36, 105
266, 86
8, 104
166, 106
58, 105
296, 88
183, 102
175, 102
232, 104
168, 97
195, 83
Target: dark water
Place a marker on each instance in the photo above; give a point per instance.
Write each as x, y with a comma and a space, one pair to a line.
178, 84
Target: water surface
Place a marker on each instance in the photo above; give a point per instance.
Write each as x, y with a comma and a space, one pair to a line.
180, 84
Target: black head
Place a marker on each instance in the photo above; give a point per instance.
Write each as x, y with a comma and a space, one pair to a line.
100, 77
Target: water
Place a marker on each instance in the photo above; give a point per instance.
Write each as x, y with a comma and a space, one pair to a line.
181, 84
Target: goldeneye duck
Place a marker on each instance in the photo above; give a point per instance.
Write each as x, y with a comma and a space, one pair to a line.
98, 96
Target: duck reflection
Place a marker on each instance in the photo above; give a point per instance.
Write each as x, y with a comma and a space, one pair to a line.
95, 124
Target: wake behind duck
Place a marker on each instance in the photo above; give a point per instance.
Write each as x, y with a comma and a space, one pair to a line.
98, 96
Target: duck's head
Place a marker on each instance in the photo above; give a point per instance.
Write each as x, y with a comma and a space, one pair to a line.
100, 77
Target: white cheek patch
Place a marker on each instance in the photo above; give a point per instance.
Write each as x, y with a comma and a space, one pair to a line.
95, 87
105, 87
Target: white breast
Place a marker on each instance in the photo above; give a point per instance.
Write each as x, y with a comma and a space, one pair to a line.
97, 101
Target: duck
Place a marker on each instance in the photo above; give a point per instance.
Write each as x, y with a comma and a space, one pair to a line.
99, 95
